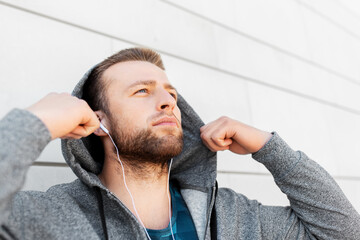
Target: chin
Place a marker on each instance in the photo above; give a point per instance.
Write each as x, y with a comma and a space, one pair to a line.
170, 132
172, 144
172, 139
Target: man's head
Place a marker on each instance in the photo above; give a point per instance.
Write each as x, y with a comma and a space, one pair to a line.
133, 98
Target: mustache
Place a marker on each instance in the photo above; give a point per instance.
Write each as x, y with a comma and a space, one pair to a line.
160, 115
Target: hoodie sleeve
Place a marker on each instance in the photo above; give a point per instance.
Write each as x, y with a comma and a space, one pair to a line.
23, 136
318, 207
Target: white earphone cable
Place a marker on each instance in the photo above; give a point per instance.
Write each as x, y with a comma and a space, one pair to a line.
168, 190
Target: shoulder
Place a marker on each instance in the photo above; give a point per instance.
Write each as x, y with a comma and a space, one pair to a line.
53, 211
63, 202
73, 193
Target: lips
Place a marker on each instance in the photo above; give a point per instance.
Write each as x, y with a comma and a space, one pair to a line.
166, 121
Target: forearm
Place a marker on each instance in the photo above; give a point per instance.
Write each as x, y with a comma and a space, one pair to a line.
23, 136
314, 196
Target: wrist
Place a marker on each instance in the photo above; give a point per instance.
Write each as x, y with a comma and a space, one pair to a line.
266, 136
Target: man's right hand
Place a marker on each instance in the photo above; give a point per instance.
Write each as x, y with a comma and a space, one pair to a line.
65, 116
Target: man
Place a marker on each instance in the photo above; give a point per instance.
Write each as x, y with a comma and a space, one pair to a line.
144, 131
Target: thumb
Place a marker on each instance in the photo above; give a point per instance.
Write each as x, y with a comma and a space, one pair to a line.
228, 142
224, 142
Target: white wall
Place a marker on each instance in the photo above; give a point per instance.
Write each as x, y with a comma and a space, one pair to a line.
289, 66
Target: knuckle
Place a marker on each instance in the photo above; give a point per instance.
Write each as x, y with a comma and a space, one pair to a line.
82, 102
223, 118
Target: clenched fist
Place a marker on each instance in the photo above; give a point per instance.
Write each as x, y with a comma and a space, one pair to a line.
228, 134
65, 116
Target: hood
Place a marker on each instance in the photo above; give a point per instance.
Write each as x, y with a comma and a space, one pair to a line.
194, 167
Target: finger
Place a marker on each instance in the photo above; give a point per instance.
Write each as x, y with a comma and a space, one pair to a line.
211, 144
210, 147
218, 146
210, 125
218, 136
213, 147
81, 131
89, 122
222, 143
204, 127
71, 136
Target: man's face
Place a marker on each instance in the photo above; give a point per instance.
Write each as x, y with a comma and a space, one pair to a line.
144, 118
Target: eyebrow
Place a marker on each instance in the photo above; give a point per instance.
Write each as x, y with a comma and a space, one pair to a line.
150, 83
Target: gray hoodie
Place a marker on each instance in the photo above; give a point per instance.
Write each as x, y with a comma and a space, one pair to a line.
318, 208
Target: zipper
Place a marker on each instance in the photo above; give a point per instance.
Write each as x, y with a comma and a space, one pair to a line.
212, 203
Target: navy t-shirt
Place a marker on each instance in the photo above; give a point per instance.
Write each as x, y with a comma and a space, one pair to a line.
182, 224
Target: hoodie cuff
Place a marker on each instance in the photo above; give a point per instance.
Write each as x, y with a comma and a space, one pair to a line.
277, 157
24, 133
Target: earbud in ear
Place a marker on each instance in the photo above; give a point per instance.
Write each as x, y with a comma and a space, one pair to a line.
104, 128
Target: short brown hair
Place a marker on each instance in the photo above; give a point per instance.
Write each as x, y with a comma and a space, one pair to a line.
94, 87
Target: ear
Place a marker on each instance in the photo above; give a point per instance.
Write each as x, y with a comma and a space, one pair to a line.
102, 118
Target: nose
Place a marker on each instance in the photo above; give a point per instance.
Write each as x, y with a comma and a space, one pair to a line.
166, 101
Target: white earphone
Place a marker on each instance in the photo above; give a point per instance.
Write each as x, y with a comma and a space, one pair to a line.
104, 128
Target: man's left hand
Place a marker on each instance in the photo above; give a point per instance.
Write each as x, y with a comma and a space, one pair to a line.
228, 134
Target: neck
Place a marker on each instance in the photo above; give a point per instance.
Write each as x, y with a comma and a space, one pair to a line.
148, 187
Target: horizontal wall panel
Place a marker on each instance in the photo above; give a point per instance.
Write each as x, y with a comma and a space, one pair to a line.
332, 45
351, 6
276, 70
52, 153
337, 14
40, 178
205, 43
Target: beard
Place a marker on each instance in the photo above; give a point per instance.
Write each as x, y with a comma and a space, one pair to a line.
140, 148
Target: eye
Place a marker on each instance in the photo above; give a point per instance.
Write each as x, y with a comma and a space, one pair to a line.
173, 95
144, 90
